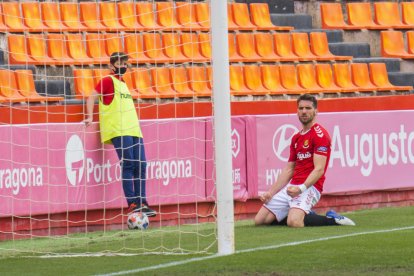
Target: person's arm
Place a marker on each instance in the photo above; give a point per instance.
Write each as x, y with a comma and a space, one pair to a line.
90, 104
319, 162
283, 179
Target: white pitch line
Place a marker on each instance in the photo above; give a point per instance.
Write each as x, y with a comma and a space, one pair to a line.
176, 263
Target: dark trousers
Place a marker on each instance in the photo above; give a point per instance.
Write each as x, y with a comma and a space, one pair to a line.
131, 153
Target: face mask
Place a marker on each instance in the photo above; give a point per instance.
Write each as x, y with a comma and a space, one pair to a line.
120, 70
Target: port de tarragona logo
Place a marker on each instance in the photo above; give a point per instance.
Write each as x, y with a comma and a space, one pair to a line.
74, 160
281, 141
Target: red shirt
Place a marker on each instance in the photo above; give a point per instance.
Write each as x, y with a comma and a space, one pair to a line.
303, 147
105, 87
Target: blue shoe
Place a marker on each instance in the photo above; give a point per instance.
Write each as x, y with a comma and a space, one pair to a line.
341, 220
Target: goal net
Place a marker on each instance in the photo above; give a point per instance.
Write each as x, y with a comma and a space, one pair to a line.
61, 188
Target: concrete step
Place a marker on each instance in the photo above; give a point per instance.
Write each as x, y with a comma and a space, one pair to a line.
401, 78
356, 50
298, 21
275, 6
19, 67
333, 35
53, 88
392, 64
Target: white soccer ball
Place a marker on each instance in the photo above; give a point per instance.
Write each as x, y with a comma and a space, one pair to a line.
138, 220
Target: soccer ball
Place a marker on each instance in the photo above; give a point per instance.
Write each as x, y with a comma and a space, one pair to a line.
138, 220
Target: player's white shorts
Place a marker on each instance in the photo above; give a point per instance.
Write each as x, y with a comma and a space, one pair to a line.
281, 202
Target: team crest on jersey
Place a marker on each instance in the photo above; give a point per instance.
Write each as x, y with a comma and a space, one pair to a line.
318, 131
306, 144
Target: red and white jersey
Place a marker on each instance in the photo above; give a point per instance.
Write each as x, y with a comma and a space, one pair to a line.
302, 148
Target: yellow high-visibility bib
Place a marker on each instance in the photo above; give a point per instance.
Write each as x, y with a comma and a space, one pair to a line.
119, 118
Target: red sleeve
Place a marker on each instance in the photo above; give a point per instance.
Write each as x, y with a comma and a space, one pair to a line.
292, 155
106, 88
322, 144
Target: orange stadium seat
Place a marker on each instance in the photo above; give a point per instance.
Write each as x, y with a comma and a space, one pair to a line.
127, 16
134, 47
113, 43
146, 16
332, 17
172, 47
324, 77
180, 83
241, 16
3, 27
410, 42
166, 16
342, 77
301, 47
96, 48
253, 79
307, 78
153, 48
12, 17
261, 18
271, 79
26, 86
109, 16
233, 53
289, 79
76, 48
264, 47
162, 82
408, 13
69, 12
359, 15
283, 47
319, 46
83, 83
392, 45
379, 77
237, 83
17, 49
232, 26
99, 74
199, 81
56, 49
36, 45
128, 78
142, 84
186, 17
205, 45
89, 16
202, 11
360, 77
8, 87
51, 17
191, 47
32, 18
209, 77
246, 47
387, 14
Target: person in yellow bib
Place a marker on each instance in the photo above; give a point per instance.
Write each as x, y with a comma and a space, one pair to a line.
119, 125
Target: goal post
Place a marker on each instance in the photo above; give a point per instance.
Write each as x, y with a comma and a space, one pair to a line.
222, 123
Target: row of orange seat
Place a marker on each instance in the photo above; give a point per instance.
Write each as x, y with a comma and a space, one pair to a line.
127, 16
18, 86
60, 49
196, 81
386, 16
393, 44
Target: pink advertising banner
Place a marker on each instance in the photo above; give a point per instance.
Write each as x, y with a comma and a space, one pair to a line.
370, 150
52, 168
238, 150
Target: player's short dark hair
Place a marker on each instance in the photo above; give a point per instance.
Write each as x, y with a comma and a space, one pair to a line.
308, 97
115, 56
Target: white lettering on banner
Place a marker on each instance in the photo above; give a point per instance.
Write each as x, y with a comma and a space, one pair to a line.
236, 176
380, 149
235, 143
100, 172
272, 175
15, 179
167, 170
